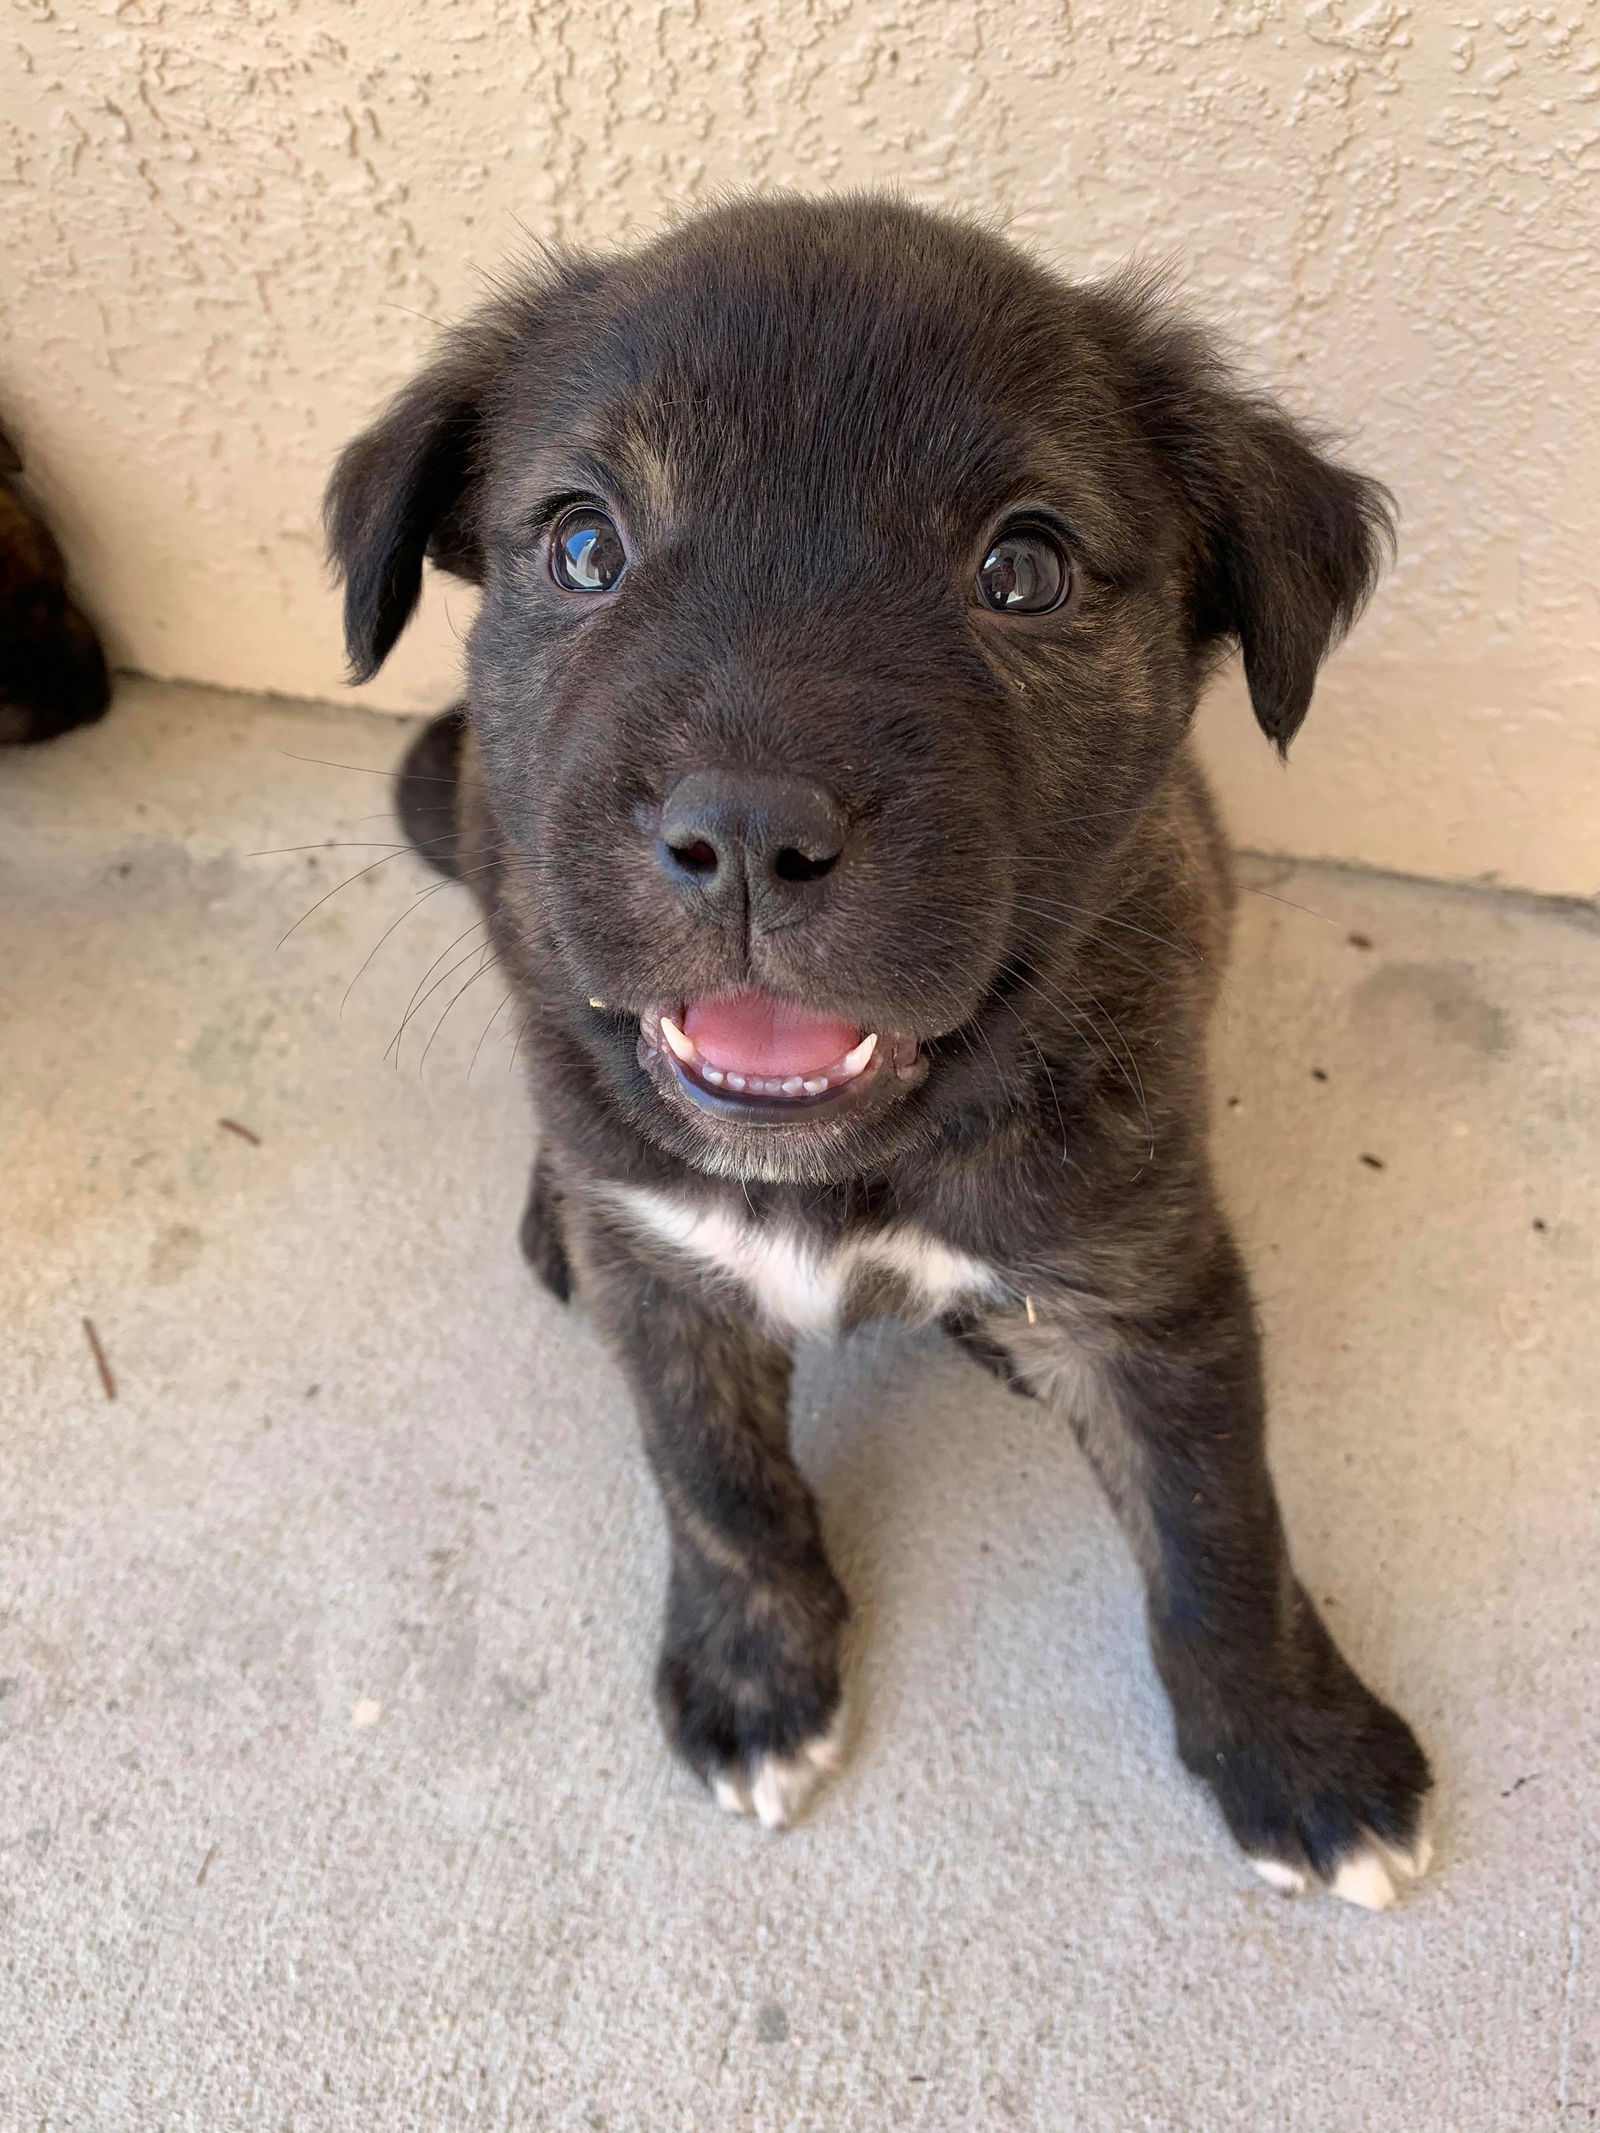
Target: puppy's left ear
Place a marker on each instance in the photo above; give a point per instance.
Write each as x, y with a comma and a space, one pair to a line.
1290, 543
1296, 542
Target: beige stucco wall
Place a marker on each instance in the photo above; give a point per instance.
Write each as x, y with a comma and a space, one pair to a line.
224, 228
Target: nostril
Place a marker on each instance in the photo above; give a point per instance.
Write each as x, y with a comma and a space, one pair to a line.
792, 865
696, 858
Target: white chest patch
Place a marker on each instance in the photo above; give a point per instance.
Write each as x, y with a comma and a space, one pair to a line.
798, 1284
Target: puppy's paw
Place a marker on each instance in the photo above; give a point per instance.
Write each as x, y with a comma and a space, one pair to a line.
777, 1789
763, 1748
543, 1246
1327, 1798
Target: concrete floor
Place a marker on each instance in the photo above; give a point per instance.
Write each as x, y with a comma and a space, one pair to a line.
330, 1795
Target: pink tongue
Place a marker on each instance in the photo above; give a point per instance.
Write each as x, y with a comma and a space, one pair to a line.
751, 1033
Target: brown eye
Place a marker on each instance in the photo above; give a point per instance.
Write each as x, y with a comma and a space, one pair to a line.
1026, 572
586, 551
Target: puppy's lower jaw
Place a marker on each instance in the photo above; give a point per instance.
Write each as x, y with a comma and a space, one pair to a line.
777, 1789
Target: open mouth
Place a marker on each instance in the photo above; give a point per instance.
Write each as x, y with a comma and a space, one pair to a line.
749, 1057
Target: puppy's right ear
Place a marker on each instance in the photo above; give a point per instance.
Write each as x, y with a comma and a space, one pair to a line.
405, 489
409, 487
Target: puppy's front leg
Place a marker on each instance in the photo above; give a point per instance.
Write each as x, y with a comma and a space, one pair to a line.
748, 1680
1320, 1782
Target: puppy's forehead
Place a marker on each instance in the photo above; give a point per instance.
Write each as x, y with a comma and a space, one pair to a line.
800, 371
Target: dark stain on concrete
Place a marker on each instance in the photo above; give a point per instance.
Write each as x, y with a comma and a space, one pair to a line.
175, 1252
1442, 997
519, 1695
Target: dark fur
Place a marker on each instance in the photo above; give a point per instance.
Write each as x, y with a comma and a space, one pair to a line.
52, 671
807, 416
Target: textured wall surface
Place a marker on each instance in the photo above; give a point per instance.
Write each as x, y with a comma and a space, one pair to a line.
225, 227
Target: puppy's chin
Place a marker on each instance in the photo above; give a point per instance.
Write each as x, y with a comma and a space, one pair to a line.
819, 1155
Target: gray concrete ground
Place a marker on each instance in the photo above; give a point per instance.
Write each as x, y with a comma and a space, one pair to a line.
330, 1795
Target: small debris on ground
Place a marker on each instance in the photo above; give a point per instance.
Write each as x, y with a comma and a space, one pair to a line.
1319, 1073
366, 1711
1359, 940
100, 1363
232, 1125
1539, 1224
1373, 1162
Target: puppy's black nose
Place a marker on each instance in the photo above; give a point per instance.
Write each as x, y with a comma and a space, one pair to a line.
750, 840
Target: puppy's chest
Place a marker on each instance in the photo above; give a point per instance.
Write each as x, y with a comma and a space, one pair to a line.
801, 1282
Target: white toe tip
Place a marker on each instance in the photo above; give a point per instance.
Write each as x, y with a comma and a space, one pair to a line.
826, 1751
775, 1795
1417, 1861
731, 1798
1364, 1879
778, 1788
1287, 1880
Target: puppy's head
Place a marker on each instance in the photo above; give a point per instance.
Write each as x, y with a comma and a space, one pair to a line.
845, 577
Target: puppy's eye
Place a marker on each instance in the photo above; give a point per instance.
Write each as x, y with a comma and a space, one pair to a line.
1026, 572
586, 551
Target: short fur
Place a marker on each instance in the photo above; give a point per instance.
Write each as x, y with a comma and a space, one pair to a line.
807, 417
52, 671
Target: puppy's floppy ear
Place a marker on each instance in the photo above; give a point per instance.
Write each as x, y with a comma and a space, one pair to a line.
403, 490
409, 486
1289, 542
1293, 544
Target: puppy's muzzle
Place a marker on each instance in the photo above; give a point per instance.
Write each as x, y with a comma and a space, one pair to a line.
749, 846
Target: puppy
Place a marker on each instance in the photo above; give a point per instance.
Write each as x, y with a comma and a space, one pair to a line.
52, 671
825, 780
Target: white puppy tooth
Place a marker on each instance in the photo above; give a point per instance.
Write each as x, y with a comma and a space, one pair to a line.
1363, 1880
855, 1062
713, 1075
735, 1081
814, 1084
794, 1085
682, 1045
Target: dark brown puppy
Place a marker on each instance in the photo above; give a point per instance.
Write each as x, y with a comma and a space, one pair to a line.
848, 585
52, 671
